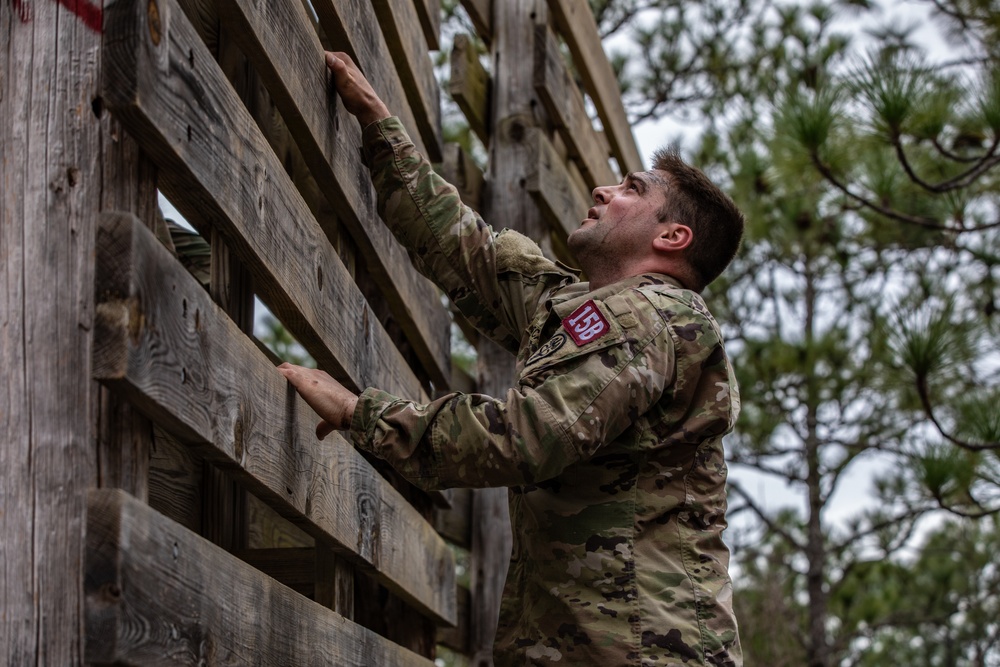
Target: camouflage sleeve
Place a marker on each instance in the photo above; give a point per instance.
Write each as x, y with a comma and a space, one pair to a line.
560, 413
496, 280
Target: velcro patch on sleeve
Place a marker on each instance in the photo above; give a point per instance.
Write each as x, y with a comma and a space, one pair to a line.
586, 324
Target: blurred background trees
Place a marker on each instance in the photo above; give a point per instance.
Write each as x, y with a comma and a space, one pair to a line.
861, 139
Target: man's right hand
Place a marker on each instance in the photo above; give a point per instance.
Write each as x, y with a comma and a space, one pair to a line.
358, 95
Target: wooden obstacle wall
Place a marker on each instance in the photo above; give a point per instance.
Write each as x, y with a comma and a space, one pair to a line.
164, 498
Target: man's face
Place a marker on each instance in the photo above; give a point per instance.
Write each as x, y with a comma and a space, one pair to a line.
623, 221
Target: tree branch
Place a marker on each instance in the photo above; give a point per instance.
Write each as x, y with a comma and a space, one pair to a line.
927, 223
771, 525
923, 391
984, 164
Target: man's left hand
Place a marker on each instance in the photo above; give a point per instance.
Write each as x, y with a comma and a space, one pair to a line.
332, 401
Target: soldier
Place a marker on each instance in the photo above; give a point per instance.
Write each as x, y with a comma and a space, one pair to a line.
611, 442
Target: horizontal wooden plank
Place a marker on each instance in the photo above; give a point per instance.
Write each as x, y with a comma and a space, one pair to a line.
405, 39
578, 28
279, 40
563, 205
470, 86
158, 594
562, 99
429, 13
352, 27
481, 13
163, 343
220, 173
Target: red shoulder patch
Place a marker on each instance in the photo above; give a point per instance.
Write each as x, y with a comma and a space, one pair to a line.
586, 324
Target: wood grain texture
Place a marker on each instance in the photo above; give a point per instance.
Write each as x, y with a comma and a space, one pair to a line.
219, 171
429, 13
405, 38
481, 13
161, 341
562, 99
175, 481
280, 41
352, 27
63, 159
563, 205
579, 29
470, 86
157, 594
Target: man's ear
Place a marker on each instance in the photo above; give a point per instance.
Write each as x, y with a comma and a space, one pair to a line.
673, 237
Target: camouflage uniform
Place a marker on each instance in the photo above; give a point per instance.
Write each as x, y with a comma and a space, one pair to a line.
611, 442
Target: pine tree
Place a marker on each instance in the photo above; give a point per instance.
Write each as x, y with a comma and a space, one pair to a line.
861, 310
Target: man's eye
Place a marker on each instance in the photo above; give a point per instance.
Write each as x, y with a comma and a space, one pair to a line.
633, 186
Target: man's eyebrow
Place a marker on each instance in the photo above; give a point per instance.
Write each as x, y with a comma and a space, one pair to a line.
640, 178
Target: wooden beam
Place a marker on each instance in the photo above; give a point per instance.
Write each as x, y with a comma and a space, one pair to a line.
579, 29
351, 25
563, 205
404, 37
162, 342
429, 12
279, 39
470, 86
481, 13
564, 103
220, 173
62, 160
157, 594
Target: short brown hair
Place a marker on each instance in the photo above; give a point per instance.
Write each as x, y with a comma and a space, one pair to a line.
716, 222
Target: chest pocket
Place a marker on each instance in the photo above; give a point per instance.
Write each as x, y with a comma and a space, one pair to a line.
560, 351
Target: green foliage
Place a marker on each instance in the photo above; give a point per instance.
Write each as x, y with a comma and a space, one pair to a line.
279, 340
857, 306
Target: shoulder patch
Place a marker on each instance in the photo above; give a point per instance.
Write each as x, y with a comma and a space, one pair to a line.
586, 324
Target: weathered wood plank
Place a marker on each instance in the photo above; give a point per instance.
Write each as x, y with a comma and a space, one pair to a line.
481, 13
429, 13
279, 39
563, 205
157, 594
220, 173
63, 159
404, 37
160, 339
470, 86
175, 481
352, 27
562, 99
579, 29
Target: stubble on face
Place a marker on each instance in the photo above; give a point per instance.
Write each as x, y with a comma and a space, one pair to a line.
618, 230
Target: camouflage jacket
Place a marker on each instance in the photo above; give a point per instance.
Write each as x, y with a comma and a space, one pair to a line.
611, 442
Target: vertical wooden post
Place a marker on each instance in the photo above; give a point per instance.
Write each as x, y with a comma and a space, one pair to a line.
508, 204
63, 162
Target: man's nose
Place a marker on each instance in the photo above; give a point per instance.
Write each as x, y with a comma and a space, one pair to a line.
602, 194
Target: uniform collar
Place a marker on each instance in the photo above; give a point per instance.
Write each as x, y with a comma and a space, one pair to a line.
571, 297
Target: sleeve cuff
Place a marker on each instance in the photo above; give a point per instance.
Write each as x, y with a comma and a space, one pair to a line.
380, 135
371, 404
